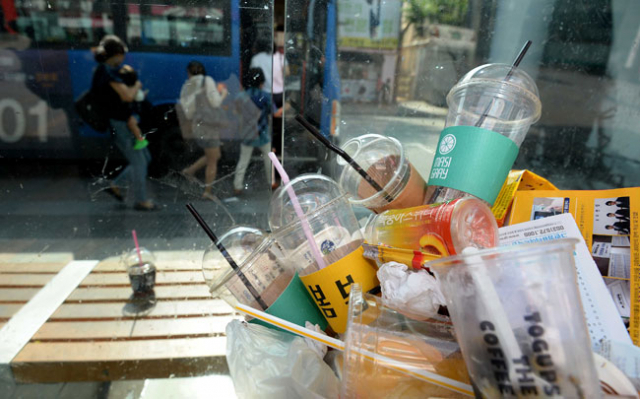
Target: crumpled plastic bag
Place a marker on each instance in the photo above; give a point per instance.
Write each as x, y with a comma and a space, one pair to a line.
415, 293
318, 347
267, 363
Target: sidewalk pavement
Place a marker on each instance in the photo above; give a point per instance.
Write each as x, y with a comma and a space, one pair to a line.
405, 108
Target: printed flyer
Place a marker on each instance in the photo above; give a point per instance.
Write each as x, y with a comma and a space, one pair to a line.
608, 221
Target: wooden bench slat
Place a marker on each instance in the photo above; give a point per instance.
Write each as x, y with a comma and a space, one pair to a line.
43, 267
108, 361
162, 277
164, 308
8, 310
121, 350
123, 293
196, 326
17, 294
25, 280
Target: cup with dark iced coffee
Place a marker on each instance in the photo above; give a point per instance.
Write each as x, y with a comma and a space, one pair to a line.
384, 159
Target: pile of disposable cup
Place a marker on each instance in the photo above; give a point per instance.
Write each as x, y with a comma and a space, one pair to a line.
390, 355
519, 320
470, 161
384, 159
279, 288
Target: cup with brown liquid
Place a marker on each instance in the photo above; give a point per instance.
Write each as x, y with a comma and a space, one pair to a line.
141, 268
384, 159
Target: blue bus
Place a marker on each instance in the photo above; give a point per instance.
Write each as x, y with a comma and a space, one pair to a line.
46, 63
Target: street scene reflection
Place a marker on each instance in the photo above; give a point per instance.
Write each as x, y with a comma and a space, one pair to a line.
392, 64
115, 114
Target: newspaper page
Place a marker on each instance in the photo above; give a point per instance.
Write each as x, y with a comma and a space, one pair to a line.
600, 311
608, 221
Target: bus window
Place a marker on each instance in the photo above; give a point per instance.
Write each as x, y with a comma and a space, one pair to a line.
180, 26
76, 23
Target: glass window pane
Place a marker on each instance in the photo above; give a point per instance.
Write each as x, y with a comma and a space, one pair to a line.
397, 62
74, 190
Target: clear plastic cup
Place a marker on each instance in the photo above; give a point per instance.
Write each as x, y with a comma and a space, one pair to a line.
337, 235
390, 355
519, 320
440, 229
239, 242
313, 191
141, 269
335, 230
484, 98
514, 104
260, 268
384, 159
251, 250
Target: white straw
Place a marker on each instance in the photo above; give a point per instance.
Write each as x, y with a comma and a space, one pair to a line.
291, 327
315, 251
339, 345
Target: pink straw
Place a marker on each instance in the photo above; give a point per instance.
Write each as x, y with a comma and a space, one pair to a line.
296, 206
135, 240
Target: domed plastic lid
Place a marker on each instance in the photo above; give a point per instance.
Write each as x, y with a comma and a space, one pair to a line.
383, 159
239, 242
312, 190
473, 226
492, 78
135, 258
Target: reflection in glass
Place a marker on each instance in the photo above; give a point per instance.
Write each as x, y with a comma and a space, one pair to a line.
396, 63
56, 175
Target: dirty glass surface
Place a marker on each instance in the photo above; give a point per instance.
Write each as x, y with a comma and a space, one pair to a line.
350, 67
61, 198
396, 62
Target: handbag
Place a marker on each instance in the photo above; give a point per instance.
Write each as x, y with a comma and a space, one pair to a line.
248, 115
208, 115
91, 111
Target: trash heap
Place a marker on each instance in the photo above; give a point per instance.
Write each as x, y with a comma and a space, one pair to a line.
423, 298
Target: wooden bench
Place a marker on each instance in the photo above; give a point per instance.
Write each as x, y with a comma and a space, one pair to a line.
99, 332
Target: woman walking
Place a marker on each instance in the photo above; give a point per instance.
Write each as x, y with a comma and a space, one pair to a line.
204, 127
114, 96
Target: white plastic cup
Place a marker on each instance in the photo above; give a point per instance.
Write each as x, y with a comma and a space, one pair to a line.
519, 320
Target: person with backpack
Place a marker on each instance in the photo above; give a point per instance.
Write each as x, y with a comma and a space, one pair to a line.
201, 100
114, 98
261, 138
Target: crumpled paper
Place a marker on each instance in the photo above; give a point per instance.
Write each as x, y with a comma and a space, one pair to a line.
412, 292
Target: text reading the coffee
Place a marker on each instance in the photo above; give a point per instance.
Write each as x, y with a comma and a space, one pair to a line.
540, 360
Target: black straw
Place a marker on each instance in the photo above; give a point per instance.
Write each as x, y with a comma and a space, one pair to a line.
312, 129
515, 64
226, 255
